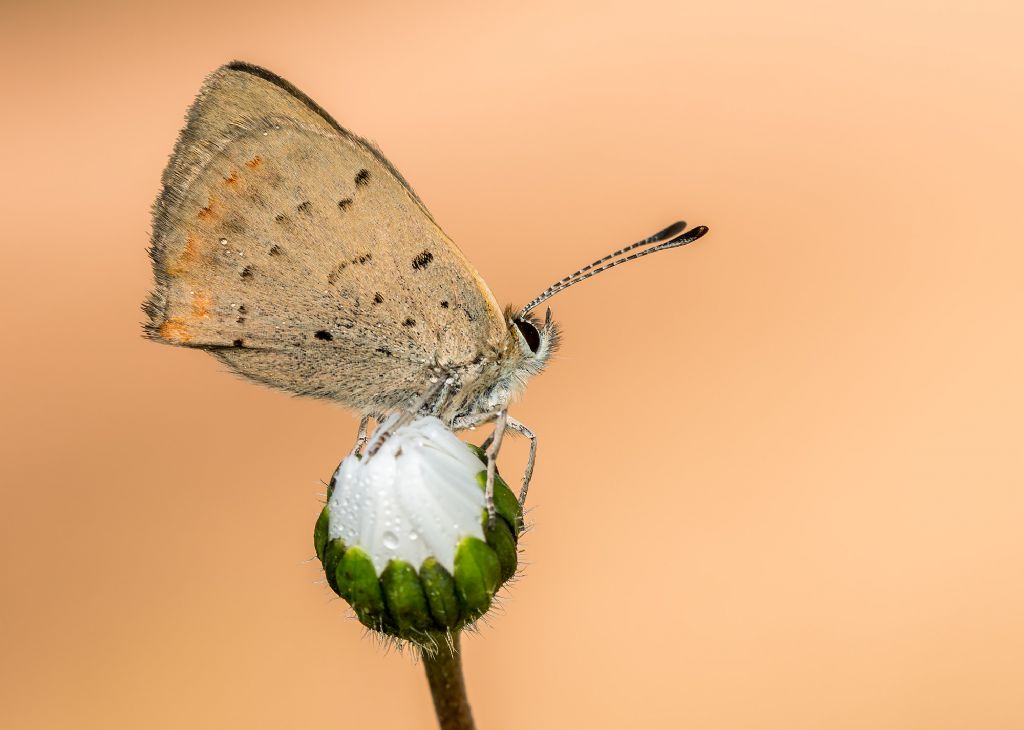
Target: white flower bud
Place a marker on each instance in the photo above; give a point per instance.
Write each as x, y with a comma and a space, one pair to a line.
405, 539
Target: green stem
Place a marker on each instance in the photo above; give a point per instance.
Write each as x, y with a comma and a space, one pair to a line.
444, 673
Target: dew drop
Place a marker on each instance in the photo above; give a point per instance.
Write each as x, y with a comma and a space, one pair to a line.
390, 540
223, 242
414, 535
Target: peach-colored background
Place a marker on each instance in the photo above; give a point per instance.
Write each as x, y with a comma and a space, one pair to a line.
780, 481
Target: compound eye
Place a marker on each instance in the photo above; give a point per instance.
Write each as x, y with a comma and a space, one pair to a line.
530, 334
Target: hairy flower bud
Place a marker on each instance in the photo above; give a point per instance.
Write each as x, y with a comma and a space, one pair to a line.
404, 537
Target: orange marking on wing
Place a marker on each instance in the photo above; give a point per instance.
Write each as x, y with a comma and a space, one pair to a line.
232, 179
208, 211
175, 330
254, 162
188, 256
201, 306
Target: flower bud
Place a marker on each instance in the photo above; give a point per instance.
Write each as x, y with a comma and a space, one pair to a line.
404, 537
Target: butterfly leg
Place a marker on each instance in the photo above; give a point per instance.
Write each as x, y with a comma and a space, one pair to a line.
463, 422
530, 460
361, 437
491, 446
528, 472
492, 463
407, 416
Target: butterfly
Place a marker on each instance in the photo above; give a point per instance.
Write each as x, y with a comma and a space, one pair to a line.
294, 252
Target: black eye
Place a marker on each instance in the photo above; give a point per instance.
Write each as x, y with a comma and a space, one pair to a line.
530, 334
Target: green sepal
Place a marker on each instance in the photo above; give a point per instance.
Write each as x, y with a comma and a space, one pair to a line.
439, 587
320, 532
503, 543
333, 553
357, 583
403, 594
480, 454
505, 503
477, 576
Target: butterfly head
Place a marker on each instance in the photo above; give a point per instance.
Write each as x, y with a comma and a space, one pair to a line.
537, 340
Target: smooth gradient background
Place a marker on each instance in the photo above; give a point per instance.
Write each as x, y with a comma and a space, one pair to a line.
780, 479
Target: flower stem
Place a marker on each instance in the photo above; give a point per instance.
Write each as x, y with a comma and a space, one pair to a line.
444, 673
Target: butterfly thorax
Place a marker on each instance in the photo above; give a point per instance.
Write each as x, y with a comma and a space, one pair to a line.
496, 379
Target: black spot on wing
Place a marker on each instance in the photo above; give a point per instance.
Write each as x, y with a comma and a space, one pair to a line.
363, 177
323, 335
238, 343
345, 203
422, 260
276, 250
304, 206
334, 273
444, 304
247, 273
409, 322
384, 351
377, 298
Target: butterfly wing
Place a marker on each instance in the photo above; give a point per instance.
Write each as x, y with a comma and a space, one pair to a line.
294, 251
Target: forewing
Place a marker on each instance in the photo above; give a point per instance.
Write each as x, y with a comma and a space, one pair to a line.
296, 253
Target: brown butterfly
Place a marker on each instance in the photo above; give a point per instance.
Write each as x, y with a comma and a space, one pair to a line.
293, 251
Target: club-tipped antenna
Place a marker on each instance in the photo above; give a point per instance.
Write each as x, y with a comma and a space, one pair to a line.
660, 241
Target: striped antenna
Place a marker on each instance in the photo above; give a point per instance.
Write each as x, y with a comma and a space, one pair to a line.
660, 241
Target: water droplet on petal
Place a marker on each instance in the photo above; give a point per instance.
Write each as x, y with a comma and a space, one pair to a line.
390, 540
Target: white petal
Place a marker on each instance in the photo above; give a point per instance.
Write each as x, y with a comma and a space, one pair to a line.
417, 497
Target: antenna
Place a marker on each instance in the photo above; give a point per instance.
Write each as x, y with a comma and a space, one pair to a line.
598, 266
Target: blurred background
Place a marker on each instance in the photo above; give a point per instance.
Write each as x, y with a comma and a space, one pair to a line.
780, 480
